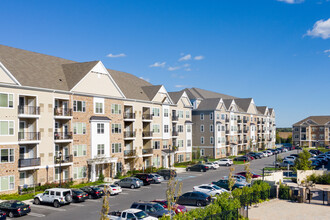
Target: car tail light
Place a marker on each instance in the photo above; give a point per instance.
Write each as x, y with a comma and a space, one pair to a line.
97, 192
19, 209
29, 207
114, 189
79, 196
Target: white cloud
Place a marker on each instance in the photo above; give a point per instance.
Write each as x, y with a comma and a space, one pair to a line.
116, 55
292, 1
172, 68
146, 79
158, 64
186, 57
327, 51
320, 29
181, 86
199, 57
186, 65
187, 69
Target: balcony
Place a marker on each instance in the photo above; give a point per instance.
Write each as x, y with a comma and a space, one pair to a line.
28, 136
175, 133
147, 117
239, 121
129, 116
245, 141
63, 112
258, 122
129, 153
263, 139
227, 132
65, 159
259, 131
245, 131
239, 142
129, 134
147, 134
227, 120
263, 122
240, 131
175, 118
227, 142
62, 136
30, 162
28, 111
147, 152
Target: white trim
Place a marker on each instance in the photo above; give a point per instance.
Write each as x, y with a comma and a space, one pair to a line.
9, 74
8, 100
168, 96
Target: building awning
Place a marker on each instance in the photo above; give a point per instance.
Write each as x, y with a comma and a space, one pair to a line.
168, 151
102, 160
99, 118
188, 122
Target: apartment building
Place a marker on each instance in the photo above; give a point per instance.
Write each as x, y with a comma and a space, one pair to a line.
313, 131
224, 125
63, 120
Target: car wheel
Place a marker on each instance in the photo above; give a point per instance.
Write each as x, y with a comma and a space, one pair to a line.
227, 164
199, 203
132, 186
68, 198
90, 196
56, 204
167, 178
36, 201
202, 170
188, 169
11, 215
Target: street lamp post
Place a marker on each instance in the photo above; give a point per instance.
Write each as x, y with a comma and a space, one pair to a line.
297, 148
59, 157
275, 163
170, 147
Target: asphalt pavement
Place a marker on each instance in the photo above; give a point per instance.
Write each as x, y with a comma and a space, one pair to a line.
90, 209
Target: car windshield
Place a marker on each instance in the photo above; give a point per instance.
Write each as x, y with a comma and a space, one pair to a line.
113, 186
141, 215
158, 207
77, 191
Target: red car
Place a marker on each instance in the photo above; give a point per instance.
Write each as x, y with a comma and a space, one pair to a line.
244, 174
177, 208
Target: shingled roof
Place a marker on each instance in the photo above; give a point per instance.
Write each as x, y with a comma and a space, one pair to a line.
209, 104
175, 96
197, 93
320, 120
262, 109
243, 104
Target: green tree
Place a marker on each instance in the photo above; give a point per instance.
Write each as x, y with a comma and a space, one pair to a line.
172, 193
248, 175
105, 205
302, 162
231, 180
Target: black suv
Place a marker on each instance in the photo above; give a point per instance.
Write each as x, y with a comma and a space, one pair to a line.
166, 173
151, 208
145, 177
198, 167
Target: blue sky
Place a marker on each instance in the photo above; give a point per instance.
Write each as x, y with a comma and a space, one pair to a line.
275, 51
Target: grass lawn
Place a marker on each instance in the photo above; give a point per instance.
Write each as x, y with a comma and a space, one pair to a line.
238, 162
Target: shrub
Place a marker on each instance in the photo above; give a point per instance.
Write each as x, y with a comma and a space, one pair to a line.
319, 179
284, 192
101, 177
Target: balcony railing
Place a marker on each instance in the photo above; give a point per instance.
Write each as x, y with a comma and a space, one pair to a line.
147, 151
175, 133
239, 142
147, 117
175, 118
244, 121
263, 139
129, 134
29, 162
245, 131
227, 132
227, 142
240, 131
28, 136
258, 122
28, 110
227, 120
64, 159
259, 131
129, 153
129, 115
245, 141
62, 111
239, 121
263, 122
62, 135
147, 134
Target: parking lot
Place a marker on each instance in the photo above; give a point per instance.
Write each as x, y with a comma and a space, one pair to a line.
90, 209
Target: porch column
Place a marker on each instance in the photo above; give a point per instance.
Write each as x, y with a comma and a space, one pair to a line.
93, 173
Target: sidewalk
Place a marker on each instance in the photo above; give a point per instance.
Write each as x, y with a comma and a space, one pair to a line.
282, 209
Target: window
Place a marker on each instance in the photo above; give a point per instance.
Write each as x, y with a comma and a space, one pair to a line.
99, 107
211, 140
7, 183
202, 152
188, 128
116, 148
165, 128
180, 114
6, 128
180, 128
165, 112
116, 128
296, 129
156, 144
180, 158
79, 128
6, 100
223, 116
165, 144
116, 109
219, 140
180, 143
100, 149
211, 116
100, 128
321, 136
187, 156
155, 112
57, 173
187, 114
202, 116
218, 116
189, 143
321, 128
202, 140
79, 172
79, 150
7, 155
219, 128
156, 128
79, 106
211, 128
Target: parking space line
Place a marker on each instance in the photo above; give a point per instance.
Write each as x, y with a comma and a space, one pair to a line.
147, 187
124, 193
90, 200
75, 204
47, 207
36, 214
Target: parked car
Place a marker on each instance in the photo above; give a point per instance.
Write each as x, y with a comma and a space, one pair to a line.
194, 198
130, 214
110, 188
129, 182
176, 207
152, 208
254, 155
14, 208
291, 158
269, 152
212, 165
266, 154
315, 162
239, 178
198, 167
225, 162
93, 192
55, 196
254, 175
78, 195
209, 189
167, 173
285, 163
3, 215
223, 183
242, 158
156, 178
145, 177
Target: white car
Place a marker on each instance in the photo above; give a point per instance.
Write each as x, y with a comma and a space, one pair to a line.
225, 162
290, 158
209, 189
270, 153
130, 214
211, 165
111, 188
265, 153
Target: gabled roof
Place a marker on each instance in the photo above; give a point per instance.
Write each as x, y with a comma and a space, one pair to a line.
243, 104
228, 103
151, 91
197, 93
319, 120
176, 96
262, 109
209, 104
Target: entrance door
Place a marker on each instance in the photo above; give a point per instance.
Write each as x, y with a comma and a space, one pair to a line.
65, 107
57, 150
22, 151
30, 106
65, 153
65, 174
